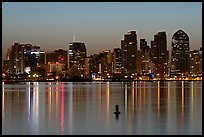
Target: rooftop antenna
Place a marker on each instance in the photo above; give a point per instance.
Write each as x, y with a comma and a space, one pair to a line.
74, 38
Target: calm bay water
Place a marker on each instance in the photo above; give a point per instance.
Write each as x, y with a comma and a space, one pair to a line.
147, 108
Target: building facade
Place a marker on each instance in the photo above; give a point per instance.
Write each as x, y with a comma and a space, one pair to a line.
77, 54
160, 55
195, 63
117, 60
62, 57
17, 58
101, 65
129, 54
145, 57
180, 54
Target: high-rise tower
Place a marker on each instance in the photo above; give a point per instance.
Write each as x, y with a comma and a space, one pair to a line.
180, 54
77, 55
160, 54
128, 53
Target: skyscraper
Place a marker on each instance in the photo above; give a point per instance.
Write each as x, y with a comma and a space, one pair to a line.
128, 53
180, 54
17, 57
101, 64
143, 44
195, 62
34, 57
145, 56
160, 54
117, 60
77, 55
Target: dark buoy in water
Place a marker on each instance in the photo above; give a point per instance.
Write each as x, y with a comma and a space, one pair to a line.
117, 112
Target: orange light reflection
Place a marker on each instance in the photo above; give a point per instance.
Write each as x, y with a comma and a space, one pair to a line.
62, 109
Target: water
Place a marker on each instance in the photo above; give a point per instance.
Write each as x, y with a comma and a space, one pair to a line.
61, 108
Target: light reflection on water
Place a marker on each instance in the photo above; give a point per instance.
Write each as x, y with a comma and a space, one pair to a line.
88, 108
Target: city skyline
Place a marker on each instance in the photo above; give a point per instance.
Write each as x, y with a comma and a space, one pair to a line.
99, 25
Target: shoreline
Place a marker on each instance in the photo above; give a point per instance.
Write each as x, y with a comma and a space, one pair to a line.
127, 80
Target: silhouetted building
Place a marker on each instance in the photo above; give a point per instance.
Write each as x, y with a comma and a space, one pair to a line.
159, 54
51, 57
34, 57
143, 44
180, 54
129, 53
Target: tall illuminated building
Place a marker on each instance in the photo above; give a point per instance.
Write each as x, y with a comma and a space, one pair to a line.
195, 62
145, 56
128, 53
117, 60
17, 57
76, 56
34, 57
101, 64
180, 54
160, 54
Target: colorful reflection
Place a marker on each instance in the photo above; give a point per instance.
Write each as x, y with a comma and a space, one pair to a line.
2, 103
62, 109
157, 107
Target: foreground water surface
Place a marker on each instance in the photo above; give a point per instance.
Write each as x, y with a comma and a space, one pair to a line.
61, 108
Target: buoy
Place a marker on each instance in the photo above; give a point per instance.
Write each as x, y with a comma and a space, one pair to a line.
116, 109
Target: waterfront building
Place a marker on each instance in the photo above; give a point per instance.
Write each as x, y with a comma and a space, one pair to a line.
16, 57
160, 54
129, 54
76, 56
62, 57
21, 59
107, 64
5, 67
139, 62
34, 57
145, 57
54, 67
57, 56
101, 64
87, 67
117, 60
51, 56
94, 62
195, 63
180, 54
